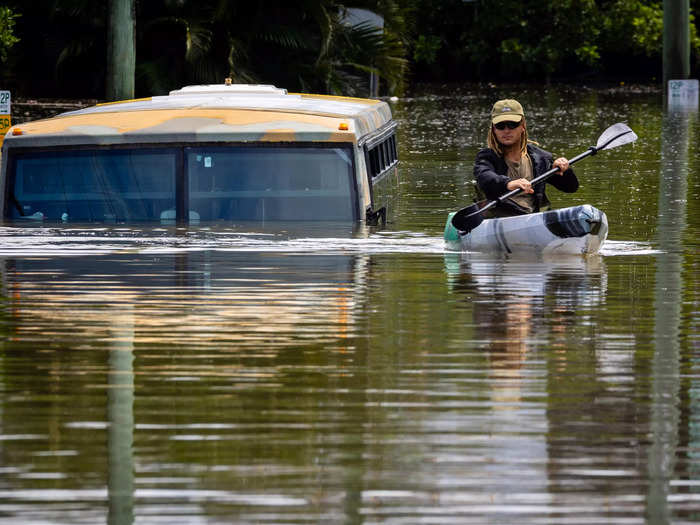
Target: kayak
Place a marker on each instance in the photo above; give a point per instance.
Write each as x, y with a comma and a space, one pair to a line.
577, 230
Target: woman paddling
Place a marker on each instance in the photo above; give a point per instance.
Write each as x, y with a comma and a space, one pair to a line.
511, 162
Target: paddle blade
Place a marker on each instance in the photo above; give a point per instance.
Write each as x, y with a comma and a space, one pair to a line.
466, 219
616, 135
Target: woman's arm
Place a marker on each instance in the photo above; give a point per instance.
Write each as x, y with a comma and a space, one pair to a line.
492, 183
565, 181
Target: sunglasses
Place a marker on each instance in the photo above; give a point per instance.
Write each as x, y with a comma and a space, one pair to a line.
506, 124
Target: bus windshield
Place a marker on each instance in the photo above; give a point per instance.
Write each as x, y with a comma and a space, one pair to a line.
264, 183
229, 183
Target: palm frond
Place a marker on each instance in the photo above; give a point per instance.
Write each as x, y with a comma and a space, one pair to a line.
156, 77
286, 37
75, 48
197, 41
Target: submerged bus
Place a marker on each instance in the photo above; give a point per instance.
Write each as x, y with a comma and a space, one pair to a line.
229, 152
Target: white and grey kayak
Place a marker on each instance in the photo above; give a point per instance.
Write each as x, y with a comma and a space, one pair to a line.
577, 230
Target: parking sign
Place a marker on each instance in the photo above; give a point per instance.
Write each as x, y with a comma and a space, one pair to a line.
683, 94
5, 112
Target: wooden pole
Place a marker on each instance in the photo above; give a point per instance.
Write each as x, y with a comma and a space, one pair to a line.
676, 53
121, 50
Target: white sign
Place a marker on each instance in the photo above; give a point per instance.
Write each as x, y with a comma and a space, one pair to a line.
683, 94
5, 103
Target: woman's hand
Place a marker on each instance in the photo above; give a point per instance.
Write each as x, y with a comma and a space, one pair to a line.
561, 163
523, 184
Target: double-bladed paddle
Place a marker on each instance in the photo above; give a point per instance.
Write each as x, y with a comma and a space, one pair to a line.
466, 219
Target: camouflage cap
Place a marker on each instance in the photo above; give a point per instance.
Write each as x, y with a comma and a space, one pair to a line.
507, 109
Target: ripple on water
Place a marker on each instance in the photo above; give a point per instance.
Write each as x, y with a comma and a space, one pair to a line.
36, 242
611, 248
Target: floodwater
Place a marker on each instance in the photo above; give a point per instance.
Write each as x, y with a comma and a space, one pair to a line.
336, 374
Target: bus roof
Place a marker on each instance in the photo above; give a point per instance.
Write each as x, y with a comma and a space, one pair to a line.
231, 113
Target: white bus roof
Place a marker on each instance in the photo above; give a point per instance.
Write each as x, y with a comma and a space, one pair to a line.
230, 113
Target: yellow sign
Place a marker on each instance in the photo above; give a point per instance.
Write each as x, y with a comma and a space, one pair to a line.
5, 124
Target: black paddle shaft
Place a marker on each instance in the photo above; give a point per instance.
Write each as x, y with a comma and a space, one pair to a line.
547, 174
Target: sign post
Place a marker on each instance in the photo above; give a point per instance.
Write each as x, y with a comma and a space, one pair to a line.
676, 39
5, 113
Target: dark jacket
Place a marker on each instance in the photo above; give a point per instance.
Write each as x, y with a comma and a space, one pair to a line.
491, 175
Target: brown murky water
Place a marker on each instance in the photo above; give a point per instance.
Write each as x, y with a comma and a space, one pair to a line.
154, 374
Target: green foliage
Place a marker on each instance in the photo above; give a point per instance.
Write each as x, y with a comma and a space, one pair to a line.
298, 45
694, 41
648, 29
7, 37
535, 40
305, 46
516, 40
634, 27
426, 48
310, 45
587, 54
